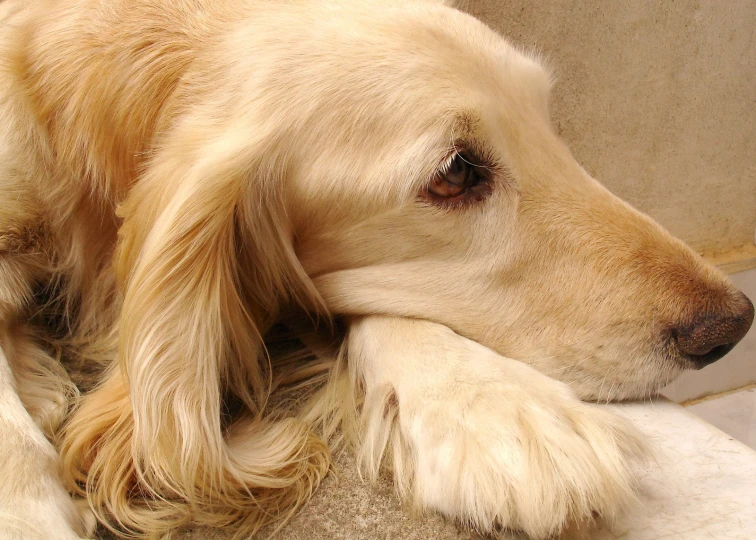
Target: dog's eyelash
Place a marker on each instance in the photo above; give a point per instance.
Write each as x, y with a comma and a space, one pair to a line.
471, 157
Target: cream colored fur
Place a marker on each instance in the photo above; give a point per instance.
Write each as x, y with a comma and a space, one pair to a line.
175, 175
484, 439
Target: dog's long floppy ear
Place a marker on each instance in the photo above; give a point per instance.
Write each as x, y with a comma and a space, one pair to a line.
204, 258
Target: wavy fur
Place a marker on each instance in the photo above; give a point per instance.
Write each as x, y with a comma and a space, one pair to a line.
177, 176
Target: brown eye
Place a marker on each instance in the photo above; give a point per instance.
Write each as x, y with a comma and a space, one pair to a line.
462, 179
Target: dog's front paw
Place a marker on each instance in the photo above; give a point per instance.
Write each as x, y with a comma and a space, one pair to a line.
520, 453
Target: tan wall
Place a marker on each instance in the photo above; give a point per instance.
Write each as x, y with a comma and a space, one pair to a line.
657, 99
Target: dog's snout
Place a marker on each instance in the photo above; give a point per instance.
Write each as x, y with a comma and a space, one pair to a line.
713, 335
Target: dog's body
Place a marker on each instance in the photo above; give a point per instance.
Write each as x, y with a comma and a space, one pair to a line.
174, 173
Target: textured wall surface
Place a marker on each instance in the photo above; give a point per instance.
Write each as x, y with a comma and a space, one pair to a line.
657, 100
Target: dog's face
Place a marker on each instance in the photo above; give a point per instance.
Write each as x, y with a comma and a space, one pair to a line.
429, 183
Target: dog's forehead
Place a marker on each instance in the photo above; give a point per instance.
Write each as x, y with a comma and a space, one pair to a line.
479, 82
439, 43
459, 61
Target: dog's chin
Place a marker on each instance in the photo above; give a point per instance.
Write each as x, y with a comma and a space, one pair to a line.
635, 379
636, 392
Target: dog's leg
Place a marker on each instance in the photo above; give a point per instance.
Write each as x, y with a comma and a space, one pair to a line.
33, 503
34, 394
481, 438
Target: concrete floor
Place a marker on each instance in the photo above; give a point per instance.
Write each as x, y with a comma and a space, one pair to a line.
345, 508
733, 413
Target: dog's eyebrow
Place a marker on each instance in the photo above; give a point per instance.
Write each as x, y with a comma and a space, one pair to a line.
466, 122
465, 136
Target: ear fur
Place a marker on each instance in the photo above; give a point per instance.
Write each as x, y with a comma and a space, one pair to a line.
204, 260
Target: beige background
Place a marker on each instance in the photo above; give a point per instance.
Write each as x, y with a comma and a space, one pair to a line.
657, 99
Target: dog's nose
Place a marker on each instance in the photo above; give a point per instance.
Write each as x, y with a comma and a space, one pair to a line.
712, 336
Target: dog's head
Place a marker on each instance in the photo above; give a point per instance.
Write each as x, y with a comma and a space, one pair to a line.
433, 186
407, 153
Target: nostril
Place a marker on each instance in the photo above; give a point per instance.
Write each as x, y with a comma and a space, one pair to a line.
703, 360
712, 336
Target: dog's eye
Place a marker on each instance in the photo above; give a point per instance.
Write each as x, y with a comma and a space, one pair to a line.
460, 180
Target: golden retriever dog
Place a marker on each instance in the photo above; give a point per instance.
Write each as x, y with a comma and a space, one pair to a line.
177, 176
